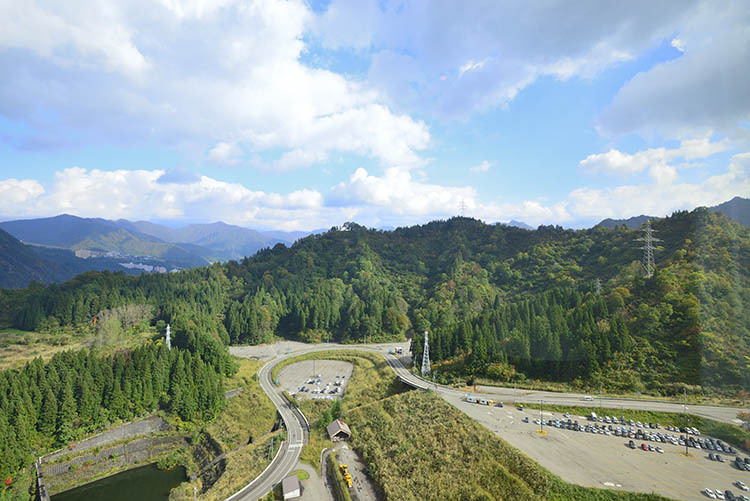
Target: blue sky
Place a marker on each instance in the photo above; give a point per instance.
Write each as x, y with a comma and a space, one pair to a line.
296, 115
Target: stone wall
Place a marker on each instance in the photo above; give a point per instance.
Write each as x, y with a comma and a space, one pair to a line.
85, 468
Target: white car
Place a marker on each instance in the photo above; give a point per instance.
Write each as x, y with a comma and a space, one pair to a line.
741, 485
719, 494
708, 492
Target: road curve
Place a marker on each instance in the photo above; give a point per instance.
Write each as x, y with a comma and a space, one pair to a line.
297, 433
298, 428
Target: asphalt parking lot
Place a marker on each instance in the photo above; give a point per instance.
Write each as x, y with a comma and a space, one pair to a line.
605, 461
325, 373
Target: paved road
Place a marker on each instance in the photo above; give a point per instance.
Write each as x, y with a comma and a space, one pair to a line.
724, 414
298, 428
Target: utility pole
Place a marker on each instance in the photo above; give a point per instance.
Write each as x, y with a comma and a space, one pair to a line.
684, 410
648, 248
600, 398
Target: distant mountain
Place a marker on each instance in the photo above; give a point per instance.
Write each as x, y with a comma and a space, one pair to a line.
737, 208
103, 238
22, 263
516, 224
227, 241
189, 246
19, 264
633, 223
519, 224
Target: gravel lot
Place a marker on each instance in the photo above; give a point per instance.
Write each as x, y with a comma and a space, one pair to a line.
293, 376
362, 488
606, 461
268, 351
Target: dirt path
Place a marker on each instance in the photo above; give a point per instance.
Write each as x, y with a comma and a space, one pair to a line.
363, 488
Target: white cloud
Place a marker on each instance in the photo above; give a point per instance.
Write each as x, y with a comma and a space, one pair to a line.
14, 192
631, 200
394, 198
678, 44
398, 193
578, 39
143, 194
703, 89
225, 153
470, 66
655, 160
482, 167
219, 77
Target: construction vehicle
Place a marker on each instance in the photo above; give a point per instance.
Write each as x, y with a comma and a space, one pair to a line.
345, 472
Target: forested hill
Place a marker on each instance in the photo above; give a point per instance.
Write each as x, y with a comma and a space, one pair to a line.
19, 264
499, 301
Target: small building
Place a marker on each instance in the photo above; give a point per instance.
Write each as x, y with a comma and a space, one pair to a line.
338, 430
290, 487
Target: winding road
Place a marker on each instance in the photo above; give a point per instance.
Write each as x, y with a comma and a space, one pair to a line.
298, 428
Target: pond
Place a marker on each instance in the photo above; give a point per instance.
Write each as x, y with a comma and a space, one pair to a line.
146, 483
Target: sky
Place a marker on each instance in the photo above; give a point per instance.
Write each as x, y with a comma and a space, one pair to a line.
297, 115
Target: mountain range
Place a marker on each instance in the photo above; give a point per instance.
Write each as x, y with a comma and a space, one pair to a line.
737, 208
58, 248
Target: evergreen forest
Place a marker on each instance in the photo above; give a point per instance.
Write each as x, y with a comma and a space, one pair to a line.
500, 302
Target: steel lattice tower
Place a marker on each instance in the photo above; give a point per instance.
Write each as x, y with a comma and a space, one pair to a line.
461, 208
598, 286
648, 248
426, 356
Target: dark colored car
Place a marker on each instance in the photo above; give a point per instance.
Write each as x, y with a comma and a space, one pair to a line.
631, 444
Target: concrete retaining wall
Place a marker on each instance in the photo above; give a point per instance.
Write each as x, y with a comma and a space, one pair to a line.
87, 467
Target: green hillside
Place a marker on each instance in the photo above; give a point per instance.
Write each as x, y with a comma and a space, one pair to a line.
500, 302
19, 265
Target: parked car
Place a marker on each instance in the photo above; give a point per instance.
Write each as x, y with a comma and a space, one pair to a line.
708, 492
741, 485
631, 444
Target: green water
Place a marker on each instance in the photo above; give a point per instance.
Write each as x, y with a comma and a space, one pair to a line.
146, 483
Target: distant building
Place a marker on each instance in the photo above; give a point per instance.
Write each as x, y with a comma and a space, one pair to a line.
290, 487
338, 430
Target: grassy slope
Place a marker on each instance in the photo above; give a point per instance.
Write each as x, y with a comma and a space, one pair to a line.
18, 347
249, 415
372, 380
418, 446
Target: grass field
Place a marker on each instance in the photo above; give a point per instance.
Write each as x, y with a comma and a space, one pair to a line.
419, 447
249, 415
18, 347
